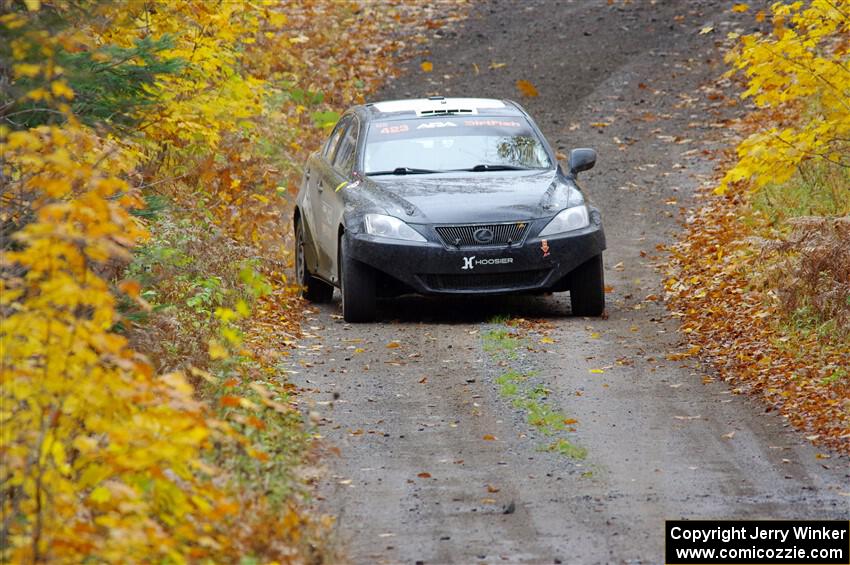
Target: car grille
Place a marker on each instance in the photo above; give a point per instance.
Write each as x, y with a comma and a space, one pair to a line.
485, 281
471, 235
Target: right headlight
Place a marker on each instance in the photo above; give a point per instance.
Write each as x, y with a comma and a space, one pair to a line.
390, 227
570, 219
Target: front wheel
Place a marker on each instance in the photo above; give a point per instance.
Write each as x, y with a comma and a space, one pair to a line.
313, 289
587, 288
357, 286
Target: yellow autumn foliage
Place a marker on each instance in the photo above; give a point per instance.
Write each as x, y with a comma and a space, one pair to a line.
799, 76
103, 459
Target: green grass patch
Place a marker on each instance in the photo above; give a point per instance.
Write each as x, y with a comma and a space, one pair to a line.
499, 319
564, 447
545, 419
501, 340
508, 389
529, 397
838, 375
818, 190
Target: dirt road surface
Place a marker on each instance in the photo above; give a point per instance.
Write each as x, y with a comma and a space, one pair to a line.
437, 465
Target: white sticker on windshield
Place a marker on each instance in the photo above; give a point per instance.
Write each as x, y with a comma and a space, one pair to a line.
430, 125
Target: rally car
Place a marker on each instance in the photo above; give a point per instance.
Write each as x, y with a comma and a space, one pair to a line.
444, 196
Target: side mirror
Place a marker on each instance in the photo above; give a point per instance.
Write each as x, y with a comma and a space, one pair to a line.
581, 160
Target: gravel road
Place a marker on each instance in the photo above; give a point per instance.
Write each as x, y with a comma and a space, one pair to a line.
436, 463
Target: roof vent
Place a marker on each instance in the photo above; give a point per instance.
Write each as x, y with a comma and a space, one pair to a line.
442, 111
436, 105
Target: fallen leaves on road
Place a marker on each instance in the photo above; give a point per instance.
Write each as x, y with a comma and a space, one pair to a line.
526, 88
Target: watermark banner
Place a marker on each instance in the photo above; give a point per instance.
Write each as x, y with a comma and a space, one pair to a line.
763, 542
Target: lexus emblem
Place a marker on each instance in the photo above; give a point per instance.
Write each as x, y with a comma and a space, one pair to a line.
483, 235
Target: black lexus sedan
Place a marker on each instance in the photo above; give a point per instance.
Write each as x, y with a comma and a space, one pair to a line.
445, 196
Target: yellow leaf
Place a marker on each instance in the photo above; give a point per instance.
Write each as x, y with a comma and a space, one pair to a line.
245, 403
28, 70
740, 8
84, 444
217, 350
242, 308
225, 314
61, 89
100, 495
426, 66
597, 371
526, 88
231, 335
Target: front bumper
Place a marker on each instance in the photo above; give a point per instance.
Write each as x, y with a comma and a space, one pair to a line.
433, 268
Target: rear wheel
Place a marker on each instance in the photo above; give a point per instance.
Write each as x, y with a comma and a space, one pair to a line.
313, 289
357, 286
587, 288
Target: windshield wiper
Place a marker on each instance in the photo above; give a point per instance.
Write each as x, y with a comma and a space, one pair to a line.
485, 167
403, 171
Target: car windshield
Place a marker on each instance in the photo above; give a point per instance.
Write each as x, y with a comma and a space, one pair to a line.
453, 143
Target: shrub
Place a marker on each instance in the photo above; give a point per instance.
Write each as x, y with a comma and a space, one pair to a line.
812, 277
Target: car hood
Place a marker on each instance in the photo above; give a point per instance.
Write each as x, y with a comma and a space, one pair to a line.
496, 196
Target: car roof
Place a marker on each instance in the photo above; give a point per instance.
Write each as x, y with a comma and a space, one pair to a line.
440, 106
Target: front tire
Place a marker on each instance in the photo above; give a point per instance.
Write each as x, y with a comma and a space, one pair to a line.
357, 286
313, 289
587, 288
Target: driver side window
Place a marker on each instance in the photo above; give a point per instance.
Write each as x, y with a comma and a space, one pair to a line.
333, 140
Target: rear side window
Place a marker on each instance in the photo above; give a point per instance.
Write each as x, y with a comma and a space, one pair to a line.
333, 140
345, 155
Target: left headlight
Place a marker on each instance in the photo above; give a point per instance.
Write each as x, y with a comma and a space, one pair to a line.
570, 219
390, 227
